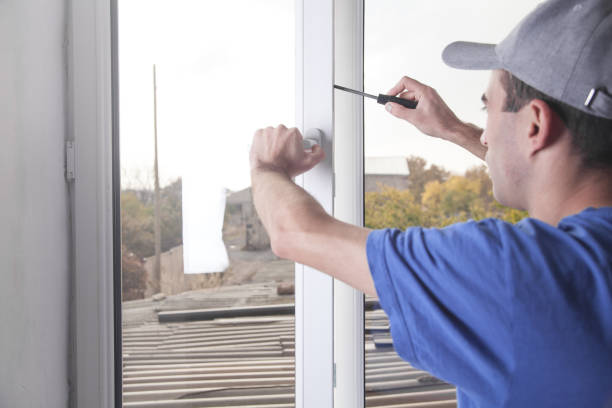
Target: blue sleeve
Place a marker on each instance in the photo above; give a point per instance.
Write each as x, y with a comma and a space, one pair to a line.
445, 292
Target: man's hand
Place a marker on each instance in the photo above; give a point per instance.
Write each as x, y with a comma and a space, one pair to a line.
299, 228
433, 117
282, 149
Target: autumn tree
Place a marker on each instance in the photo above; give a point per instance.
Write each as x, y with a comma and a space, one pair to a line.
435, 198
392, 207
137, 219
419, 174
136, 224
133, 276
137, 235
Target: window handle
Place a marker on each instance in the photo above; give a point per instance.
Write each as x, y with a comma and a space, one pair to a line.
312, 137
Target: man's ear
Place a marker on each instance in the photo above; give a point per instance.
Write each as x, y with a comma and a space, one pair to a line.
543, 125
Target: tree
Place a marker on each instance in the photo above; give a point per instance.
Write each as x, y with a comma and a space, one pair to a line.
136, 225
454, 200
392, 207
436, 198
137, 219
133, 276
172, 215
137, 232
419, 175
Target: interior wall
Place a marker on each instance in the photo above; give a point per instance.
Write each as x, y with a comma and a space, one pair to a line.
34, 215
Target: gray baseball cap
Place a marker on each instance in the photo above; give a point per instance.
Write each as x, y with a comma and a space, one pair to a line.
563, 48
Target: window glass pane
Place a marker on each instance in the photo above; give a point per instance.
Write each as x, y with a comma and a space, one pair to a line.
407, 173
215, 325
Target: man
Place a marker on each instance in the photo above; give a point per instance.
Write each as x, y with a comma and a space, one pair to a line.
514, 315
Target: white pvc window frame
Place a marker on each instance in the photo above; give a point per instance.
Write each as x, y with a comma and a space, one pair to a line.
314, 370
329, 314
95, 372
91, 124
349, 352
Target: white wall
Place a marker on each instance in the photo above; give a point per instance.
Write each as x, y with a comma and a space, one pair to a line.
34, 212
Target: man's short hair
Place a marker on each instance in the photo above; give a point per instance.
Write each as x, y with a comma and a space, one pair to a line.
591, 135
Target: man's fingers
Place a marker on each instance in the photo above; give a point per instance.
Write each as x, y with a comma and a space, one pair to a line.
400, 111
283, 147
411, 95
314, 156
406, 88
405, 83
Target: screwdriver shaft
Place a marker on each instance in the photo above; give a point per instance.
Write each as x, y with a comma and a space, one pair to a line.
381, 98
354, 91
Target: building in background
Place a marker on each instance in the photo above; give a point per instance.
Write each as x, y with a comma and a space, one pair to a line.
386, 171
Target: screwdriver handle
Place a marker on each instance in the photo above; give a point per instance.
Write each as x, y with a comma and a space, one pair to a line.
408, 103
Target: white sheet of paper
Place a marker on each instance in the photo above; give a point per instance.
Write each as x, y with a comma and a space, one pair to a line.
203, 211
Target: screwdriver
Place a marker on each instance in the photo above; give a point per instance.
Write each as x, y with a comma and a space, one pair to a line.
382, 99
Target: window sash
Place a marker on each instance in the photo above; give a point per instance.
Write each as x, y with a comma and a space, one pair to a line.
314, 290
96, 313
349, 353
91, 124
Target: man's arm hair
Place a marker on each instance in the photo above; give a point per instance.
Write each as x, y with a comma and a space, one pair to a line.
468, 137
433, 117
301, 230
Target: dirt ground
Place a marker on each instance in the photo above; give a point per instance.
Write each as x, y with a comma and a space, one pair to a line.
251, 279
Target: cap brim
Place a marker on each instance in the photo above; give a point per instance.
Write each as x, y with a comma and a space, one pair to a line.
468, 55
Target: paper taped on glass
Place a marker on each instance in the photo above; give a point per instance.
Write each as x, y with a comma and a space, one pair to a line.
203, 211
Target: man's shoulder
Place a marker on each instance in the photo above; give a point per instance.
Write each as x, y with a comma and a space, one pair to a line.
578, 236
591, 218
591, 225
590, 222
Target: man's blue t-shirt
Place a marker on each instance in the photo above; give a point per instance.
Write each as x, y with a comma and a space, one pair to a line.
513, 315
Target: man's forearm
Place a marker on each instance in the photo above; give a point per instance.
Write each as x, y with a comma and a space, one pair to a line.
468, 136
281, 204
301, 230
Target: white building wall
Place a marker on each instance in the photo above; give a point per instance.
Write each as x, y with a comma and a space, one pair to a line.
34, 211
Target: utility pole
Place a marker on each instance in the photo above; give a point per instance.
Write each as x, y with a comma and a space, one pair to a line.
157, 211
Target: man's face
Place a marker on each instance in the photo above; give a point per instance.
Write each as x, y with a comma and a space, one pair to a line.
506, 164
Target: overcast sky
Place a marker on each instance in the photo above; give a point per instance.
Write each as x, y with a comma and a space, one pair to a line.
226, 68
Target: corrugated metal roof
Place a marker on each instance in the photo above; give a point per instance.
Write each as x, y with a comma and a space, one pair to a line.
249, 361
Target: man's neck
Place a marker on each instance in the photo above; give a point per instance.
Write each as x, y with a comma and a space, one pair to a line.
558, 197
